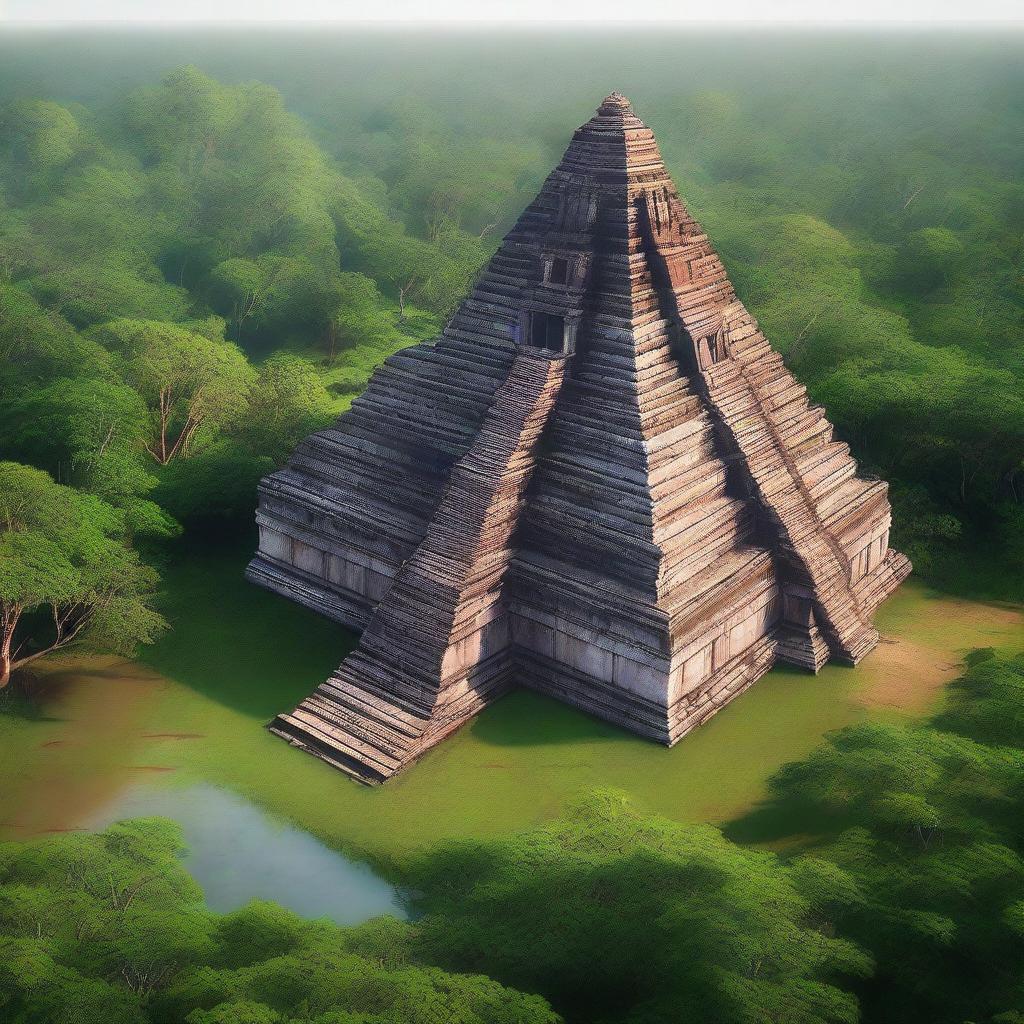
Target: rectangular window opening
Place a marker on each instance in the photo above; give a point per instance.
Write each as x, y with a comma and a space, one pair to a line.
547, 331
559, 271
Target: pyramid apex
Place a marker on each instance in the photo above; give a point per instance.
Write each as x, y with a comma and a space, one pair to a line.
615, 103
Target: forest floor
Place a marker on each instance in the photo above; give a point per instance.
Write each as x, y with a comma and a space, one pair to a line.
194, 709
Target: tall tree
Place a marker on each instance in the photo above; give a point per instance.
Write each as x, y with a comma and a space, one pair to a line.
287, 403
67, 577
87, 432
188, 380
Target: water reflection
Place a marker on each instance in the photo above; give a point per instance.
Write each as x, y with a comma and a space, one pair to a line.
238, 853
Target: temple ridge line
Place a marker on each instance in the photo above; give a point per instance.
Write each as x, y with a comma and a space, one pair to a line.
600, 482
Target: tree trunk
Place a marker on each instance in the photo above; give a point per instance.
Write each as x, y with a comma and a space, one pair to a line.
332, 337
164, 417
8, 620
11, 663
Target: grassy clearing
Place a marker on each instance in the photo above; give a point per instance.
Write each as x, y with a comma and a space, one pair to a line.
196, 710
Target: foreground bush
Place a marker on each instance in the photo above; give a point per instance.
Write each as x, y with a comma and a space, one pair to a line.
110, 929
910, 909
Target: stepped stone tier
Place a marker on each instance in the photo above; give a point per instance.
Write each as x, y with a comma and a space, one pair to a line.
599, 482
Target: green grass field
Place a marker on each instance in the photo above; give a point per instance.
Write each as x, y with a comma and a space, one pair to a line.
194, 710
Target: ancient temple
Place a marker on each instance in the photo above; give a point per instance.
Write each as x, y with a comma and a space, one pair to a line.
599, 482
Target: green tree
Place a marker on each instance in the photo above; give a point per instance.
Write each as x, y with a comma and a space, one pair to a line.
928, 821
87, 432
362, 318
42, 134
987, 701
287, 403
108, 928
189, 382
214, 487
617, 916
275, 294
434, 275
238, 290
235, 173
37, 345
66, 575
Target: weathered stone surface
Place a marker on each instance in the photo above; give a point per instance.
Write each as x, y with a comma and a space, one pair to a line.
600, 482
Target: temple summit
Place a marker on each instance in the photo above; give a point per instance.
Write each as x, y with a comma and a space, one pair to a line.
600, 482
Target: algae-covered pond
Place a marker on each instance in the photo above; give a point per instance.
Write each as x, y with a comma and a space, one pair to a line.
237, 853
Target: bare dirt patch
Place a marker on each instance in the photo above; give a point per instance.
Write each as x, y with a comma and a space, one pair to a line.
96, 712
910, 667
906, 676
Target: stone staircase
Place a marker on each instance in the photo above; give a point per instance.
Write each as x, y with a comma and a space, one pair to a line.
785, 496
437, 649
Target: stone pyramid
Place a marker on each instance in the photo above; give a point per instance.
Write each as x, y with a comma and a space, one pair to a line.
599, 482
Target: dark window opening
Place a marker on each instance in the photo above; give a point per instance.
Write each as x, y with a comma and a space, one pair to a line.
547, 331
559, 271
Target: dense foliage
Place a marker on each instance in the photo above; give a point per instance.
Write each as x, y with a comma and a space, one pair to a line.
621, 917
67, 575
899, 897
909, 901
930, 823
192, 276
136, 259
109, 928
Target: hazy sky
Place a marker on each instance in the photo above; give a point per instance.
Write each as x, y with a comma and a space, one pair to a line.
347, 11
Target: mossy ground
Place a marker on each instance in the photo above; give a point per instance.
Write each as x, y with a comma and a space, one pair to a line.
194, 709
